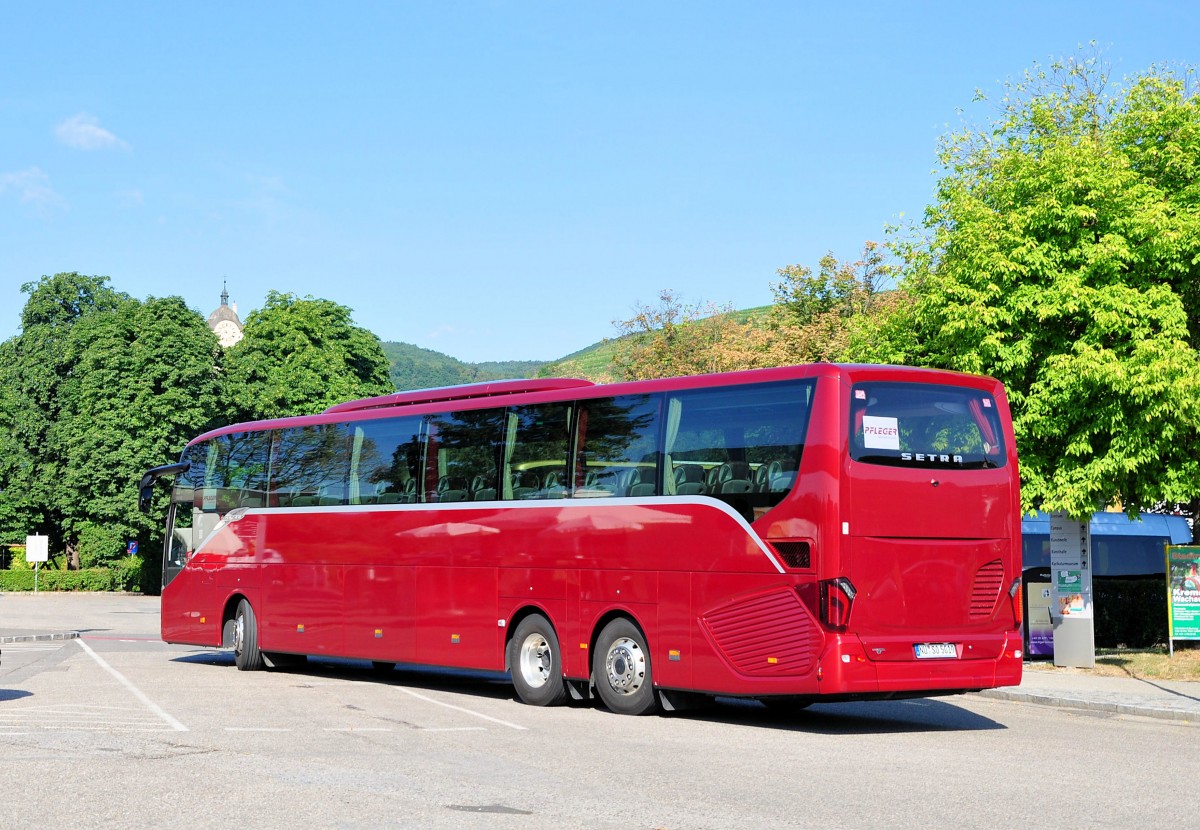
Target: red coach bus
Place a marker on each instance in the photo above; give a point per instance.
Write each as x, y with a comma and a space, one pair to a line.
804, 534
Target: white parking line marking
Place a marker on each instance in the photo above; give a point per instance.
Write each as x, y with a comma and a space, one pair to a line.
461, 709
356, 729
138, 693
457, 729
256, 729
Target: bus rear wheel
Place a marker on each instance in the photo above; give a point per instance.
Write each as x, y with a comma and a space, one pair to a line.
246, 655
535, 660
621, 669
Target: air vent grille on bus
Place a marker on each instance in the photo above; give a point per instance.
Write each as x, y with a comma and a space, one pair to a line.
767, 635
793, 554
988, 582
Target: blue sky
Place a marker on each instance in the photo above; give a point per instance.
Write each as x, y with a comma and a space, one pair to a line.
496, 180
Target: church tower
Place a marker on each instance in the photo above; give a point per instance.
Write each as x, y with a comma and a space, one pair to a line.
225, 322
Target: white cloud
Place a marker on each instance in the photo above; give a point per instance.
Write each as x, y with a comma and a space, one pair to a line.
32, 187
83, 132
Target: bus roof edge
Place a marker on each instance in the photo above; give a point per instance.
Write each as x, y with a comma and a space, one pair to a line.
468, 391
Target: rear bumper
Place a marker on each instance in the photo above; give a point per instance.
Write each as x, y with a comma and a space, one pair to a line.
846, 669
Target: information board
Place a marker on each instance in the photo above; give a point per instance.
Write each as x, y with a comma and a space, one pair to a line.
1071, 583
1183, 592
37, 549
1070, 567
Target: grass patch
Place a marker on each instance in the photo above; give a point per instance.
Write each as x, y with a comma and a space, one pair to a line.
1142, 664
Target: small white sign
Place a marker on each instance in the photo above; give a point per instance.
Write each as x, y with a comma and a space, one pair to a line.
881, 433
37, 548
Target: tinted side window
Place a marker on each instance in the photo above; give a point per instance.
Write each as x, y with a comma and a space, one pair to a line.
618, 439
233, 472
310, 466
462, 454
740, 444
386, 461
537, 449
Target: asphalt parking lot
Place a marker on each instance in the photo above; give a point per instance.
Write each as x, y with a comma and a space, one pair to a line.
116, 728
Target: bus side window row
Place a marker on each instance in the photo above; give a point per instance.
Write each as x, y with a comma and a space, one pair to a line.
713, 442
691, 479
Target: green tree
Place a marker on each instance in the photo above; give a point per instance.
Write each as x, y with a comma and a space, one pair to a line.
674, 338
144, 382
1062, 256
847, 311
300, 356
34, 366
844, 289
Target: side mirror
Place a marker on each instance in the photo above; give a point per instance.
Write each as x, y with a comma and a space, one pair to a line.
146, 485
145, 494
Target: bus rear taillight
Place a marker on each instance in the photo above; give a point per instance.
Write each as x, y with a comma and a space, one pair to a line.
837, 600
1014, 594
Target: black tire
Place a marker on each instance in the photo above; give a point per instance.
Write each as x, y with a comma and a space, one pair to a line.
535, 661
621, 670
245, 639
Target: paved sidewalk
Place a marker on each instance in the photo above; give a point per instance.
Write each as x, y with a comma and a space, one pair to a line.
1081, 689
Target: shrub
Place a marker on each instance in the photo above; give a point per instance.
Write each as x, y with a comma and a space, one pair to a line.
17, 558
101, 545
88, 579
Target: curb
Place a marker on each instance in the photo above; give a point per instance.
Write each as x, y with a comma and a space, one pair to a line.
1062, 702
39, 638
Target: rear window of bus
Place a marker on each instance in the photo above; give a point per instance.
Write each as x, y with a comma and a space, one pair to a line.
925, 425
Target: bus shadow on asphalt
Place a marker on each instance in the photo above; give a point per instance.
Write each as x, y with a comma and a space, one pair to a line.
850, 718
428, 678
13, 694
853, 718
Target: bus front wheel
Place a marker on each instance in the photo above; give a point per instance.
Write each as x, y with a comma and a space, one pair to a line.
246, 655
536, 662
621, 669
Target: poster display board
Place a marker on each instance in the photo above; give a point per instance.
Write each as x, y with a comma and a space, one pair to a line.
1183, 593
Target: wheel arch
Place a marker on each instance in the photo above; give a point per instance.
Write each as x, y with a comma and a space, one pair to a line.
607, 617
228, 614
518, 617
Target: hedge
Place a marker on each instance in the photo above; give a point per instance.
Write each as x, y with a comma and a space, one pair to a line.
126, 576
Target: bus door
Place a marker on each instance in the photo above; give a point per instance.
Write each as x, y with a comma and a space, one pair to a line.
191, 582
931, 521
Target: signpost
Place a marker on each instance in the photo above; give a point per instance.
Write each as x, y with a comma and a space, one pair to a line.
1071, 583
37, 551
1183, 594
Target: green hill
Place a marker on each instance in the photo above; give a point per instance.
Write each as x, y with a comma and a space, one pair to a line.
416, 368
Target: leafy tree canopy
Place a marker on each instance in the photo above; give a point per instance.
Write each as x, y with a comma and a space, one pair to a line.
1062, 256
144, 383
675, 338
34, 367
300, 356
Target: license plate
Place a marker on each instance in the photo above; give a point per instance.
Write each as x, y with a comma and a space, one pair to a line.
936, 651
